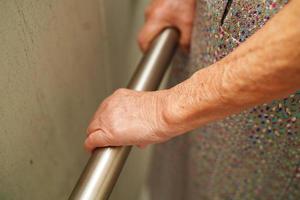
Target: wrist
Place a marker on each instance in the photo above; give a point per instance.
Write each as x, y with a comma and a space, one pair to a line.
169, 117
197, 101
177, 109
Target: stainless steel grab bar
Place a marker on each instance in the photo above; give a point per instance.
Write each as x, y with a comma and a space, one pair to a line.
103, 168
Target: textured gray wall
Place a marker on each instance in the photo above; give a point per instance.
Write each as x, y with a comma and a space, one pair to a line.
58, 60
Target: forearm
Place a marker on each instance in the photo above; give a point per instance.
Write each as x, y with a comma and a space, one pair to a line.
265, 67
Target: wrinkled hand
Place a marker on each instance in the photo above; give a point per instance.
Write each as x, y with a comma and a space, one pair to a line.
166, 13
129, 117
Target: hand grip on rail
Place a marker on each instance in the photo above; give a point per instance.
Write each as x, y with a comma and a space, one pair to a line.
105, 164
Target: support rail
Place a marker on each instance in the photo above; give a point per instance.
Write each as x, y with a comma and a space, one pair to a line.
105, 164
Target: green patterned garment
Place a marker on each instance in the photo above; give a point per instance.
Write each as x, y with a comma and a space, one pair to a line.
251, 155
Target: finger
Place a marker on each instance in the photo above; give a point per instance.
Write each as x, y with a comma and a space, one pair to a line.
185, 37
96, 122
97, 139
93, 126
149, 32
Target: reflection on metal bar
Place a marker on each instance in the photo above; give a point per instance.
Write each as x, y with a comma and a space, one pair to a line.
104, 166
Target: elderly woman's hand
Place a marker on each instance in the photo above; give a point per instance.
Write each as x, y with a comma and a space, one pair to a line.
129, 117
166, 13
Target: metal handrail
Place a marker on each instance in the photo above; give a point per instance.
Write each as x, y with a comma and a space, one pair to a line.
104, 166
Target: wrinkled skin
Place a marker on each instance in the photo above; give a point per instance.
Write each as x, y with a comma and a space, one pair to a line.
129, 117
263, 68
136, 118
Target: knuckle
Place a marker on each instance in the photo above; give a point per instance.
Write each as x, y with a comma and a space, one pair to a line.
104, 104
121, 91
151, 12
160, 14
154, 15
147, 12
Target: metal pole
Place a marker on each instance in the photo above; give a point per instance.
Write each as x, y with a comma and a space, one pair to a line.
103, 168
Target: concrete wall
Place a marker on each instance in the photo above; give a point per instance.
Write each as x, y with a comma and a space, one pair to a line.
58, 60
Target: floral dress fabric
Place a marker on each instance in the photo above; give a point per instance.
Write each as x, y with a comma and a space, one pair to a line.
251, 155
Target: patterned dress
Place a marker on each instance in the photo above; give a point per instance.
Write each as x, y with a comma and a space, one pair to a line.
251, 155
